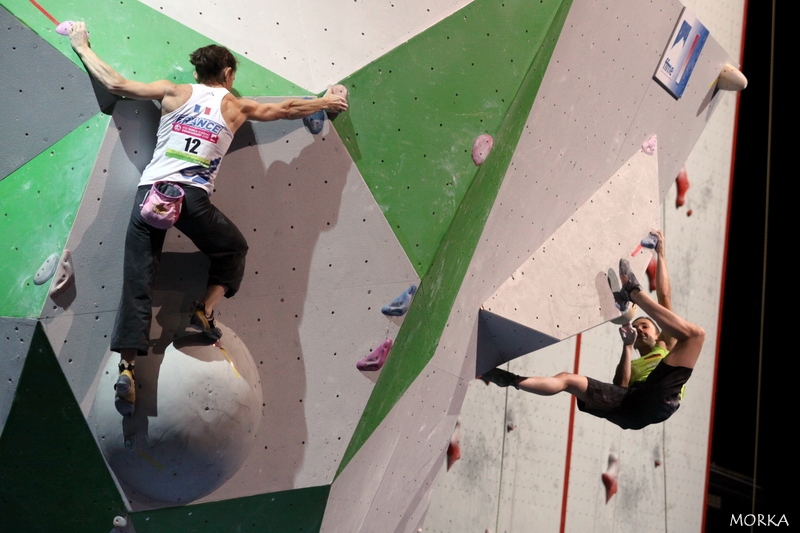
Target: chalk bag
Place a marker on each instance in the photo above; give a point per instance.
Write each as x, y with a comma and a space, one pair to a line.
162, 205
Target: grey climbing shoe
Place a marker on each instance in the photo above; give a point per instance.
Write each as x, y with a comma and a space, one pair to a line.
501, 378
628, 281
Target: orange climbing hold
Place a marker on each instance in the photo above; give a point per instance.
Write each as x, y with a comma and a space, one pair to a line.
683, 185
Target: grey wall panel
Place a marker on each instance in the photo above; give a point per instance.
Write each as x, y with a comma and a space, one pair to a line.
45, 96
15, 340
79, 322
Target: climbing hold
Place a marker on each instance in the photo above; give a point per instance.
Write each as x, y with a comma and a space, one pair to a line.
649, 146
207, 423
627, 316
731, 79
609, 477
376, 359
481, 148
650, 241
651, 273
454, 446
47, 269
682, 181
689, 213
399, 306
120, 523
338, 90
64, 27
65, 275
315, 122
658, 463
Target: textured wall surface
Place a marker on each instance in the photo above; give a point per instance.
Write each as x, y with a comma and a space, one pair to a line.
545, 473
338, 224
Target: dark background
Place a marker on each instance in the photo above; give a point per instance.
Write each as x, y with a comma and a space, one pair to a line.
754, 421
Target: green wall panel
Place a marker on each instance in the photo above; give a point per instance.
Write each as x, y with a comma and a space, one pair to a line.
290, 511
160, 52
415, 112
52, 475
427, 318
38, 204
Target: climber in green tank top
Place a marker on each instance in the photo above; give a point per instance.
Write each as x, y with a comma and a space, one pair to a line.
647, 390
643, 334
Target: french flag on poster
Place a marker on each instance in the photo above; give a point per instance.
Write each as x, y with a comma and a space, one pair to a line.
680, 56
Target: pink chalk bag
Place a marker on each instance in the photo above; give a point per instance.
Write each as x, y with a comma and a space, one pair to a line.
162, 205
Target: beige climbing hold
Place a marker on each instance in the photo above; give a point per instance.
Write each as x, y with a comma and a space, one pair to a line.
65, 275
731, 79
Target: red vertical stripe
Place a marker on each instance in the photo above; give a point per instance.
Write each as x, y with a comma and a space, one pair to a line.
569, 439
45, 13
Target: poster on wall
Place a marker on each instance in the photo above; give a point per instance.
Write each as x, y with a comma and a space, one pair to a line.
680, 56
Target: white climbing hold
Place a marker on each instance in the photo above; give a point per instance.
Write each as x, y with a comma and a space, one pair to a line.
120, 523
47, 269
731, 79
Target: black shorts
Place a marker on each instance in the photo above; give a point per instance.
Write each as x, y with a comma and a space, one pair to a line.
644, 403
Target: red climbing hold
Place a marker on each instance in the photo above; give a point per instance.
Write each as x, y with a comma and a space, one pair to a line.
683, 185
454, 446
689, 213
651, 273
609, 477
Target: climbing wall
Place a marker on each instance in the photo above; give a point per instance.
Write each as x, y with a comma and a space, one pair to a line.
537, 464
339, 223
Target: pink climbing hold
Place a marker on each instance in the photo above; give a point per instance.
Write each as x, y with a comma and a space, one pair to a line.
649, 146
64, 27
651, 273
481, 148
609, 477
338, 90
376, 359
682, 181
454, 446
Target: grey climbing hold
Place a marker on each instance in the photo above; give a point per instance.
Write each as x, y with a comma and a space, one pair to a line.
65, 275
481, 148
47, 270
650, 241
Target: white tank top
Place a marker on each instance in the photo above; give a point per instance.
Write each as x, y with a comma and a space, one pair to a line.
191, 141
